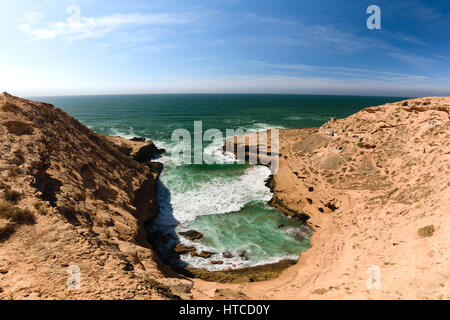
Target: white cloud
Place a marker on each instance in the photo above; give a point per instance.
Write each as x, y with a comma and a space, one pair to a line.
77, 27
31, 16
409, 58
347, 71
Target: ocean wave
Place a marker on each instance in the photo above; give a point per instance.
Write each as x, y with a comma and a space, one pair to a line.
259, 126
125, 133
295, 118
214, 154
217, 196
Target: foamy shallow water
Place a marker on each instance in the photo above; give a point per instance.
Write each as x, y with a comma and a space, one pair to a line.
227, 204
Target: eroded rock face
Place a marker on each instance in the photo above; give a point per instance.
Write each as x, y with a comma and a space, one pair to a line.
139, 149
245, 276
374, 187
125, 149
147, 152
90, 200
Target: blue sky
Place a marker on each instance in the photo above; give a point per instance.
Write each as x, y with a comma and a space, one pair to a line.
252, 46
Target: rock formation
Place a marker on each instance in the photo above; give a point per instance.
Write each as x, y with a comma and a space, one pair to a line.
191, 235
375, 187
70, 197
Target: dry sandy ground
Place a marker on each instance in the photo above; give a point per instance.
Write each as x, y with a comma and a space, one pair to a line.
369, 188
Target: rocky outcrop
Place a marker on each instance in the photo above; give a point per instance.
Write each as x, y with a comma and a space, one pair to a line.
183, 249
243, 276
139, 149
202, 254
147, 152
90, 200
374, 187
255, 148
191, 235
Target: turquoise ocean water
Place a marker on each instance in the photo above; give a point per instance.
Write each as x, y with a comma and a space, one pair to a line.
226, 202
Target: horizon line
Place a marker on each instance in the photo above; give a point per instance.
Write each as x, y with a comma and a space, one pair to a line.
229, 93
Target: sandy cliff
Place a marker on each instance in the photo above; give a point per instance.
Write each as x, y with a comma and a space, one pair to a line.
74, 198
374, 186
376, 189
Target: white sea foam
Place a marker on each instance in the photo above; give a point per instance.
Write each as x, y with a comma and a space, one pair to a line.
258, 127
128, 134
235, 262
216, 196
214, 153
219, 194
295, 118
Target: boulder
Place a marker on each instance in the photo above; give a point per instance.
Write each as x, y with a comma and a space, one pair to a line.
191, 235
243, 255
182, 249
227, 255
202, 254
